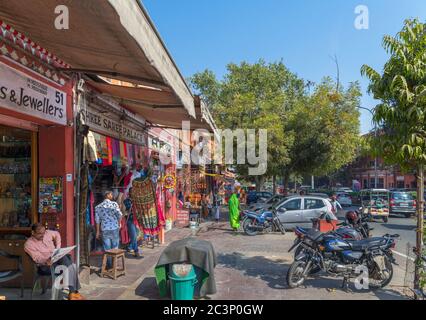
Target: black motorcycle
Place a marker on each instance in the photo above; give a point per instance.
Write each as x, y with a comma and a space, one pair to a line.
267, 221
338, 257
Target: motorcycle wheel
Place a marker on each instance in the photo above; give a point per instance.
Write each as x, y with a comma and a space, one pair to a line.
280, 227
295, 277
380, 278
247, 227
298, 251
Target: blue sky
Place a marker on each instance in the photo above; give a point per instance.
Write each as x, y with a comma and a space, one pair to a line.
209, 34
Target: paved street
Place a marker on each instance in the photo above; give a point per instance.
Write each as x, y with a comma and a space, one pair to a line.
397, 224
252, 268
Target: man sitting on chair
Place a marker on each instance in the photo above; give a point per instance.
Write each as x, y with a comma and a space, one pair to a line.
40, 247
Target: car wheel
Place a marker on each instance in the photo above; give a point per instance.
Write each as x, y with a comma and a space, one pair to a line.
407, 215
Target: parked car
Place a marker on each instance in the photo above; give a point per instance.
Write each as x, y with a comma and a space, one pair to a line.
255, 197
344, 189
272, 201
402, 202
344, 199
321, 195
298, 211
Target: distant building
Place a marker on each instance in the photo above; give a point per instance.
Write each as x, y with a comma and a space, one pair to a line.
362, 171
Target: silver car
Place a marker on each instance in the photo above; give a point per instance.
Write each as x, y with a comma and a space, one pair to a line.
300, 210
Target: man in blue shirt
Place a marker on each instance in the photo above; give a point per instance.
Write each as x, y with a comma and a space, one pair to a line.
108, 218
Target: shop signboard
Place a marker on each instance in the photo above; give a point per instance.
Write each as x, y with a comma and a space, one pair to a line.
182, 217
22, 93
110, 125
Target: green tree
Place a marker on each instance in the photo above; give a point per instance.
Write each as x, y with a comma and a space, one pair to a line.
325, 126
401, 113
253, 96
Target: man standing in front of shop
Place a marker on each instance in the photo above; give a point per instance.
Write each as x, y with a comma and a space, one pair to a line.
108, 218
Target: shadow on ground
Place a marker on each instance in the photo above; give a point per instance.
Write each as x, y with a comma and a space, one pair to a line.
271, 271
274, 272
148, 289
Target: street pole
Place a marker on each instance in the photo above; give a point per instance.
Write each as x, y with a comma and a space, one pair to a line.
375, 158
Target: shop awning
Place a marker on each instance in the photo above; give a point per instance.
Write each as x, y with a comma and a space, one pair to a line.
111, 38
159, 107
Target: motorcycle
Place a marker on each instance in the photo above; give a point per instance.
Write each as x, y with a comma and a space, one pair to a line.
267, 221
339, 257
351, 231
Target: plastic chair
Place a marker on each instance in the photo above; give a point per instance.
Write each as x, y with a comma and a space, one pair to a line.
9, 275
39, 276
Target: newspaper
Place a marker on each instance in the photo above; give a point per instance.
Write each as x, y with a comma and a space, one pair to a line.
60, 253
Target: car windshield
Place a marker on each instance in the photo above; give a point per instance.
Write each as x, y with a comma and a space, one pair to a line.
402, 196
273, 200
278, 203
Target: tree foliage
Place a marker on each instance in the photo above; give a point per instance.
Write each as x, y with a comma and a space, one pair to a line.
307, 133
326, 130
402, 91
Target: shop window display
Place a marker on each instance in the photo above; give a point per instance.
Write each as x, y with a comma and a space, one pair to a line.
15, 178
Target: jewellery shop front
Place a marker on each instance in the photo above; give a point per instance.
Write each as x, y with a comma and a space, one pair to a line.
114, 154
36, 149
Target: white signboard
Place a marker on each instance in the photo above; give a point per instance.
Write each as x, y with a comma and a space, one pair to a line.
113, 127
22, 93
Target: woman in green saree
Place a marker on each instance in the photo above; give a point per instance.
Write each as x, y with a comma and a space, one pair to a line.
234, 211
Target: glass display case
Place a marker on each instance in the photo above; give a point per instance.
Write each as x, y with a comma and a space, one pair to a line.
16, 178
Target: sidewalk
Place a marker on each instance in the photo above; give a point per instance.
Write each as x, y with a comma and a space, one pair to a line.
136, 271
249, 268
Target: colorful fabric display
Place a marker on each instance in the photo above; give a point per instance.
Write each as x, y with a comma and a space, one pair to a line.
109, 146
145, 206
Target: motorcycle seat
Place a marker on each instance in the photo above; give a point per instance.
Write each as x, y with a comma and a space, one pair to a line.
361, 245
313, 234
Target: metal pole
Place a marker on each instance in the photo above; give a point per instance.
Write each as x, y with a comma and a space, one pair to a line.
375, 160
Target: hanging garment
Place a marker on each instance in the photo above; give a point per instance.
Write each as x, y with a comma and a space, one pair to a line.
145, 206
124, 232
92, 151
161, 217
130, 154
83, 228
104, 150
110, 155
116, 161
123, 153
98, 143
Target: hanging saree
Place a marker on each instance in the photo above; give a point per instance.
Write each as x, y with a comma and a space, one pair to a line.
109, 142
145, 206
234, 212
104, 150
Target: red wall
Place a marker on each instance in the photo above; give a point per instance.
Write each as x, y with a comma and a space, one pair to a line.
56, 155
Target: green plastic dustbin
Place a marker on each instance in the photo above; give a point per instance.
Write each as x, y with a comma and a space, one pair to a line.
182, 281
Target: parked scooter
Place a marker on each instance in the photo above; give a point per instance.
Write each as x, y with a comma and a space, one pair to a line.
339, 257
267, 221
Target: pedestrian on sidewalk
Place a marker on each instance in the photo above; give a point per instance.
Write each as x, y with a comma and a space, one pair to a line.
131, 226
108, 218
234, 210
216, 206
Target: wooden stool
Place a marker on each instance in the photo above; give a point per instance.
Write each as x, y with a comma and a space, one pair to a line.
115, 254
